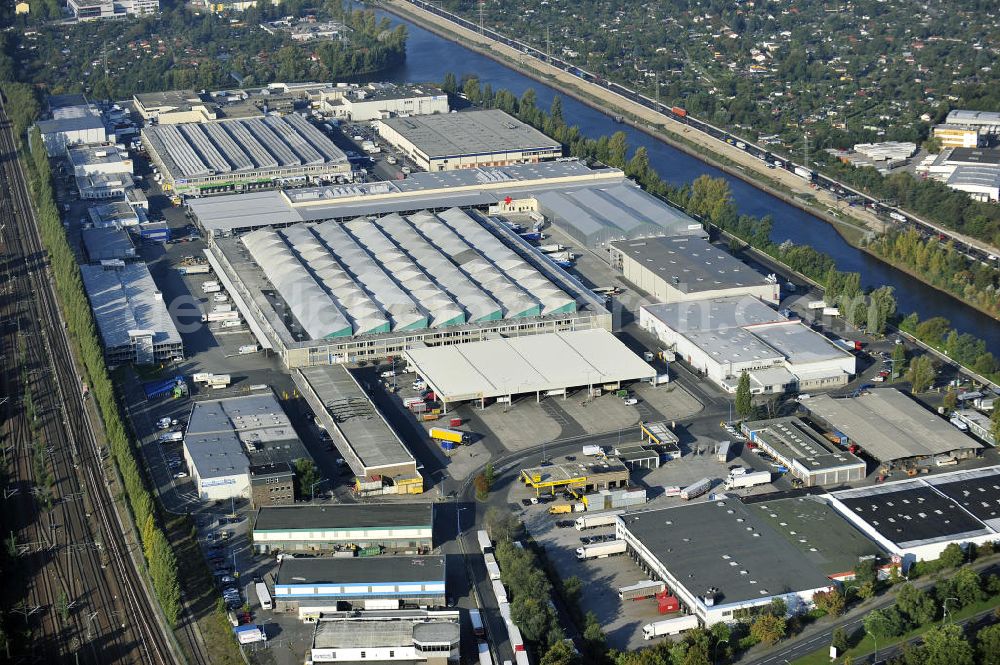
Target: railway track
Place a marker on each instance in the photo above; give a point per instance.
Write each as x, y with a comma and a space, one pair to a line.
83, 596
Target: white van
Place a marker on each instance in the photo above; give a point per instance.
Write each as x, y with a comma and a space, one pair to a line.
171, 437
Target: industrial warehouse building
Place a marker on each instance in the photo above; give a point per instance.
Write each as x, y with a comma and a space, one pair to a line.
811, 524
418, 637
98, 186
335, 292
251, 153
173, 107
724, 337
679, 269
594, 206
313, 586
377, 456
893, 428
78, 124
718, 557
450, 141
382, 100
226, 436
132, 319
537, 365
917, 518
117, 214
107, 243
86, 160
398, 528
808, 456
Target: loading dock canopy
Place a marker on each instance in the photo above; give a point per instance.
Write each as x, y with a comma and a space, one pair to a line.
533, 364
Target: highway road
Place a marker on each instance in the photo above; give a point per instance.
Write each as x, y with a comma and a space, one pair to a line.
84, 591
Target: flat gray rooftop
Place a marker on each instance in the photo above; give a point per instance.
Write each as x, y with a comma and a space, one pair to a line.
984, 156
798, 342
965, 117
890, 426
127, 299
462, 187
725, 545
82, 155
178, 99
470, 133
812, 526
361, 425
346, 516
716, 314
793, 439
374, 633
360, 570
221, 433
986, 175
107, 243
193, 150
690, 264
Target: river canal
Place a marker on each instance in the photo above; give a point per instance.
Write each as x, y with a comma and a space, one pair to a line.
429, 57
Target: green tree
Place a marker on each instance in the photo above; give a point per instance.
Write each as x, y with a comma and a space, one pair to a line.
921, 374
617, 150
916, 604
898, 360
501, 525
572, 589
306, 475
883, 306
968, 586
490, 475
950, 399
531, 615
945, 645
482, 486
768, 629
831, 602
593, 635
560, 653
744, 399
839, 639
952, 556
884, 624
450, 84
988, 645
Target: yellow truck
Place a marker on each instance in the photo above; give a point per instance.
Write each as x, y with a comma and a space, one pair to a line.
445, 434
561, 509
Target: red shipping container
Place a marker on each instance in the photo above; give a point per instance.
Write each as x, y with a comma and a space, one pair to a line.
455, 422
668, 605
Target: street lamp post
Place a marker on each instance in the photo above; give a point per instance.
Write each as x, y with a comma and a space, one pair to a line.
312, 488
875, 662
945, 617
458, 523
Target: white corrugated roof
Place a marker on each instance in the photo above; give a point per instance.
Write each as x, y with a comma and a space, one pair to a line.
551, 361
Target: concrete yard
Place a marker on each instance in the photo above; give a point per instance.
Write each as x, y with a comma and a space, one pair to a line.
524, 425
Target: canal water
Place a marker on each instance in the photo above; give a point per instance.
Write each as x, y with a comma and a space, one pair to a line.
429, 57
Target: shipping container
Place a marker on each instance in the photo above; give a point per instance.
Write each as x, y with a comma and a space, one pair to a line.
381, 604
696, 489
722, 451
803, 172
667, 604
485, 544
593, 451
744, 480
601, 550
484, 654
816, 304
477, 623
669, 627
596, 520
444, 434
499, 592
263, 596
492, 568
640, 590
249, 634
678, 111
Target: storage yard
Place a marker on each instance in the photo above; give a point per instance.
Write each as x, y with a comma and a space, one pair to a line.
208, 158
